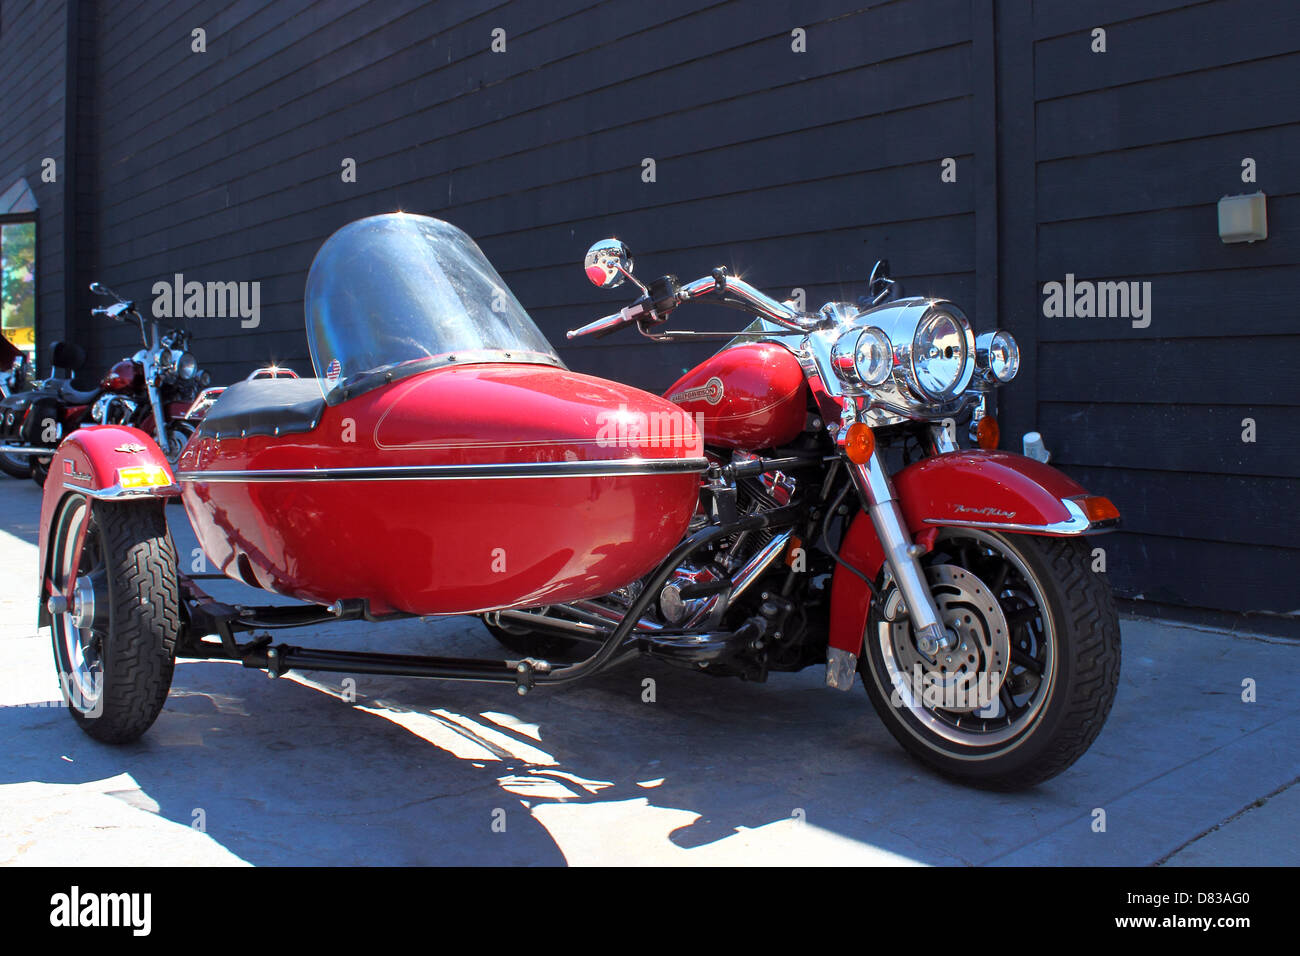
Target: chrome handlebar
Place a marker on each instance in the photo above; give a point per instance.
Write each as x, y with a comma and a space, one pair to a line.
759, 303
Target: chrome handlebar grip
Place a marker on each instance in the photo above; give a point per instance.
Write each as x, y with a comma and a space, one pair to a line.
608, 324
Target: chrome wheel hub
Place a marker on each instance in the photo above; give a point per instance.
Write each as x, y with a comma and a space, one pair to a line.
82, 612
965, 674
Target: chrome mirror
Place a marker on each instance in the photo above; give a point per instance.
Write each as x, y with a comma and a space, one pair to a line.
882, 287
608, 263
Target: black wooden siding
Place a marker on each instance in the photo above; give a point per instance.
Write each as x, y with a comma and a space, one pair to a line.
797, 170
33, 38
1134, 149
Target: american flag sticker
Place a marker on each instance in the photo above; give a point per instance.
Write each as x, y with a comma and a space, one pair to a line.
333, 372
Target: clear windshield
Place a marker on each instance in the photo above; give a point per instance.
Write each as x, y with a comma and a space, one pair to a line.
398, 293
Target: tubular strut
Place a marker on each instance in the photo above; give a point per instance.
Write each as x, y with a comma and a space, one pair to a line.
524, 674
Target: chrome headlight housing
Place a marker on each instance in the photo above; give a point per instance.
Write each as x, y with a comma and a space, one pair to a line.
998, 352
916, 356
941, 360
186, 366
863, 358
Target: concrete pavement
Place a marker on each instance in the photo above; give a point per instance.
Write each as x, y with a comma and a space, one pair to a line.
240, 769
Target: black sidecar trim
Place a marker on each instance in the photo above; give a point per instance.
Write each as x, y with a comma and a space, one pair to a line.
265, 406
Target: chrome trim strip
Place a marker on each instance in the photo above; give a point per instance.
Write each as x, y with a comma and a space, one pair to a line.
525, 469
1077, 523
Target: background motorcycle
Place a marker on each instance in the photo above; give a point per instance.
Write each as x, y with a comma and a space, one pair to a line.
956, 582
152, 390
15, 377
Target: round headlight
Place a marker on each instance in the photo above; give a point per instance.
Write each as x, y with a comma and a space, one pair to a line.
863, 357
940, 355
999, 353
187, 366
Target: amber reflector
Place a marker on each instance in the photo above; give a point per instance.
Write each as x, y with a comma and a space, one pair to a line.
1098, 509
792, 553
859, 443
987, 433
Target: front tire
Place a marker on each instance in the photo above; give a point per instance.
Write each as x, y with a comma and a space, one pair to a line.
15, 466
1052, 676
115, 645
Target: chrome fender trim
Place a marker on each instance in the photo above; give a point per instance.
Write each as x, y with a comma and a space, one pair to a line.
1078, 523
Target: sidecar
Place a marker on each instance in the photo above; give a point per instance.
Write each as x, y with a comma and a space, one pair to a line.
444, 461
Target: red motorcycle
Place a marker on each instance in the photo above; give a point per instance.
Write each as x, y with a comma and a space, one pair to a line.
152, 391
797, 500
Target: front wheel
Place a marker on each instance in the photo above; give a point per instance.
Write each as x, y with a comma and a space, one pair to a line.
1031, 669
115, 637
15, 466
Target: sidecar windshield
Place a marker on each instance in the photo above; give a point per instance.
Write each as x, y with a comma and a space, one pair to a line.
396, 294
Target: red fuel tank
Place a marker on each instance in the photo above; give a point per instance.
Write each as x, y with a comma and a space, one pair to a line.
751, 395
125, 376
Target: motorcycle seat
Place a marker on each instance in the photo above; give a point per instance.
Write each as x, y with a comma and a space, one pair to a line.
265, 406
72, 396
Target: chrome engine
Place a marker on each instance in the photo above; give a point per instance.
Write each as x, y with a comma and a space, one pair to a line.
112, 410
696, 591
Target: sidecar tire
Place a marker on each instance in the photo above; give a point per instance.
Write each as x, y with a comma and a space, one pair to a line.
137, 645
529, 643
1088, 642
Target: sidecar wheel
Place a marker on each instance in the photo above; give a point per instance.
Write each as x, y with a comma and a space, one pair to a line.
1027, 608
115, 645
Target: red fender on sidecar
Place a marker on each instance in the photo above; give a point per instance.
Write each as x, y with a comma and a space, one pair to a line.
983, 489
104, 462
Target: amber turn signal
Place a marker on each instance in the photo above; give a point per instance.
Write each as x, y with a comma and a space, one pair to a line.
1098, 509
859, 443
987, 433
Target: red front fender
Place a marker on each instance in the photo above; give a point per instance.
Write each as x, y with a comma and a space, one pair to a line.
108, 462
985, 489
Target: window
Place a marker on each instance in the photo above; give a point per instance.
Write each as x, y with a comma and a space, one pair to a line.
18, 285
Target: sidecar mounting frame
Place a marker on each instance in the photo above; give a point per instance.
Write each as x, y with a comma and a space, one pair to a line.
206, 618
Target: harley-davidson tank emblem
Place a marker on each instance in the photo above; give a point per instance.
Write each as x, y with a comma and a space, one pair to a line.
984, 511
711, 392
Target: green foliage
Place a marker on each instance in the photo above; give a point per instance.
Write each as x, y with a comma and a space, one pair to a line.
18, 282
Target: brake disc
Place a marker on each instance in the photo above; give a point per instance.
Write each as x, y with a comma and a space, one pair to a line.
966, 676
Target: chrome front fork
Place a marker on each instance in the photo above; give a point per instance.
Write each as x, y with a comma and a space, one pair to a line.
161, 434
902, 554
